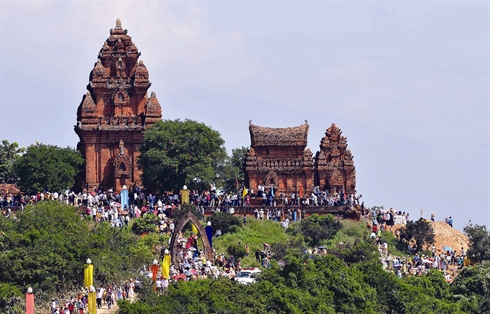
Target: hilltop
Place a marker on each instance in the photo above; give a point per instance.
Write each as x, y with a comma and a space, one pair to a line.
445, 235
448, 236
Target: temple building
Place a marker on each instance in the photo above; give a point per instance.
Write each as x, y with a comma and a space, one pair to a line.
114, 113
278, 159
334, 164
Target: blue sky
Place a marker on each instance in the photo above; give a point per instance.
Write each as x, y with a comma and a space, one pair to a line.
407, 82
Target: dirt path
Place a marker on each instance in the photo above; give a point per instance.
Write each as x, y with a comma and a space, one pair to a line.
105, 310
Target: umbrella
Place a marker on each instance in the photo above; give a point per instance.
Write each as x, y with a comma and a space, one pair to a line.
322, 247
447, 248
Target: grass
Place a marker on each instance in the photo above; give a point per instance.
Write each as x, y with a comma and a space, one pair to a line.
351, 232
255, 233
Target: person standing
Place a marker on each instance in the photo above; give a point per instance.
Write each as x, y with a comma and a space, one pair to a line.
98, 297
108, 298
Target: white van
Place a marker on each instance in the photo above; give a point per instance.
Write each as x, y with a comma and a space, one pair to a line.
247, 276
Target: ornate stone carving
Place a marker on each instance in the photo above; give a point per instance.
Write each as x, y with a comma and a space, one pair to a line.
122, 110
141, 73
99, 71
278, 158
279, 154
88, 105
271, 179
294, 136
153, 108
335, 164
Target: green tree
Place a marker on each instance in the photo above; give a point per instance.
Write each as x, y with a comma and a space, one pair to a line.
316, 228
479, 242
9, 153
233, 170
225, 222
175, 153
145, 224
48, 244
238, 251
472, 287
419, 231
47, 167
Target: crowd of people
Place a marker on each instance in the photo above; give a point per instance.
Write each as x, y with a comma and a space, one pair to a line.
191, 263
104, 296
205, 198
413, 263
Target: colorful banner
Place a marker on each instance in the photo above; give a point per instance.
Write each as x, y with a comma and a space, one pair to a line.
185, 196
166, 266
29, 303
92, 307
209, 233
154, 272
194, 229
88, 275
124, 199
245, 192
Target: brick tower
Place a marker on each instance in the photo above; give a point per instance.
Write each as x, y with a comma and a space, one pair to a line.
278, 159
114, 113
334, 163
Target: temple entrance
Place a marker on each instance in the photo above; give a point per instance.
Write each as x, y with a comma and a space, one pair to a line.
189, 217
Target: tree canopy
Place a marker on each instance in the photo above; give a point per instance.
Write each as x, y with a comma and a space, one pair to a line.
479, 242
324, 284
419, 231
316, 228
9, 154
233, 171
48, 243
177, 153
47, 167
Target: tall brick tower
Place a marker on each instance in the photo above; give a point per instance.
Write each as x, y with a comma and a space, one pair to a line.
114, 113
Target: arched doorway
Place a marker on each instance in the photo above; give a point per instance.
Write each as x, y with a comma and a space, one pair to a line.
208, 252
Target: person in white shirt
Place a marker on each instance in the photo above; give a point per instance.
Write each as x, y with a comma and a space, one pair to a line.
158, 285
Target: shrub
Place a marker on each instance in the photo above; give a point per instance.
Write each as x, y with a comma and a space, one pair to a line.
144, 224
237, 251
179, 213
316, 228
225, 222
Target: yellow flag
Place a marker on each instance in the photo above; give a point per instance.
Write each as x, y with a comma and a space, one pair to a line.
194, 229
185, 196
244, 193
166, 266
88, 275
92, 309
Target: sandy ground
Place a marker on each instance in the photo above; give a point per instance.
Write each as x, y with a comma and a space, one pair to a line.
104, 309
445, 235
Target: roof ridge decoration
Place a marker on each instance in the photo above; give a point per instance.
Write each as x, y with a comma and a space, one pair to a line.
290, 136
